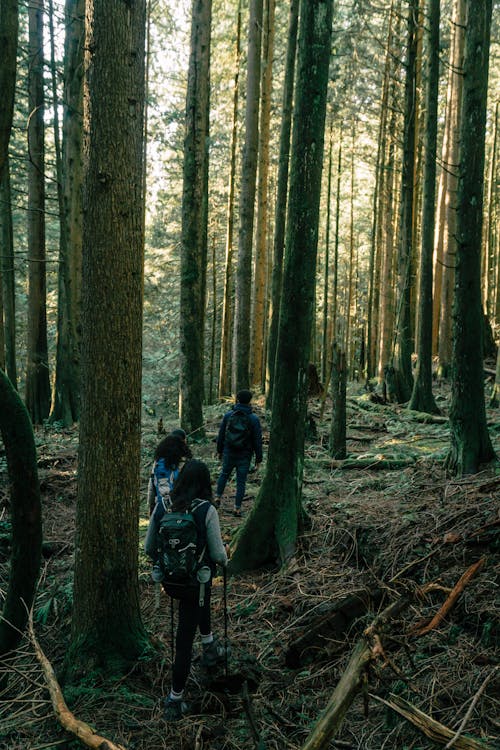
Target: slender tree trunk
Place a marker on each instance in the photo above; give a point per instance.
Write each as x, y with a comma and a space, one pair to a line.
403, 348
65, 406
350, 272
107, 632
450, 162
281, 197
326, 273
491, 229
37, 373
276, 517
241, 348
259, 306
9, 25
194, 221
7, 274
422, 398
338, 391
227, 310
335, 284
470, 441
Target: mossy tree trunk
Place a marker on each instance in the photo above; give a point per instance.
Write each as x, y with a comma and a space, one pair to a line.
276, 518
25, 513
194, 221
470, 442
421, 397
338, 391
107, 631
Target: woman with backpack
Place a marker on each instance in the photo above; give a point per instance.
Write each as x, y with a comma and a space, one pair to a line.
191, 500
169, 458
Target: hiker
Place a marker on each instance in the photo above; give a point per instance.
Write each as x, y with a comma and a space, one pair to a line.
239, 438
191, 499
170, 456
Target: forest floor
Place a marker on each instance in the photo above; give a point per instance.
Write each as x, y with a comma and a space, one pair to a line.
377, 535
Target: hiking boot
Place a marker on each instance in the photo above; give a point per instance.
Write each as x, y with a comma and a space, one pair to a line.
175, 710
213, 653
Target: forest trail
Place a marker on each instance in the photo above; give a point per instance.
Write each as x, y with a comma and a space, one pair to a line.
376, 535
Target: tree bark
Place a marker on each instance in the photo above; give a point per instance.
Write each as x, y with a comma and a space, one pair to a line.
194, 221
470, 442
7, 274
37, 371
422, 398
9, 25
107, 632
241, 344
276, 518
65, 405
281, 197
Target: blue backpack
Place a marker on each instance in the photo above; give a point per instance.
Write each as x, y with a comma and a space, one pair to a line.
164, 480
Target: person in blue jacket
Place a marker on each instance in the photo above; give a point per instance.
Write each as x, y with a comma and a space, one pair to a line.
239, 438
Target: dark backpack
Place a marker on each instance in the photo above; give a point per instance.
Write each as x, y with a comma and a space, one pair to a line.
164, 480
238, 431
182, 544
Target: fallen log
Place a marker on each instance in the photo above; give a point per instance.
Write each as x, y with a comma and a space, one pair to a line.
66, 718
372, 463
366, 650
430, 727
321, 634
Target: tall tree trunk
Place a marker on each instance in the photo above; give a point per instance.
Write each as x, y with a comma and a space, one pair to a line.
227, 310
276, 517
351, 269
450, 159
470, 441
65, 406
422, 398
326, 273
241, 346
491, 230
9, 25
107, 631
281, 196
194, 221
7, 274
37, 372
259, 306
403, 348
338, 390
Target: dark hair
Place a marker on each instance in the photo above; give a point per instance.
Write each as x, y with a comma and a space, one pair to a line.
173, 449
244, 396
193, 482
179, 432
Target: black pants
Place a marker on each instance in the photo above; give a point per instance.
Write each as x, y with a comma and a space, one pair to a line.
191, 617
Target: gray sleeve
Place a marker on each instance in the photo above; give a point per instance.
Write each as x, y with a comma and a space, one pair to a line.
150, 540
215, 544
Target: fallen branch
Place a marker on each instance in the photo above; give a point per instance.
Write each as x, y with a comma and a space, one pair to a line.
372, 463
430, 727
456, 736
366, 650
451, 600
80, 729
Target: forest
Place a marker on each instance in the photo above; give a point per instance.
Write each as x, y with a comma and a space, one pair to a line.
300, 199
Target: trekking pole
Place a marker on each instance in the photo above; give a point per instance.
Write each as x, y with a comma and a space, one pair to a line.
225, 617
172, 629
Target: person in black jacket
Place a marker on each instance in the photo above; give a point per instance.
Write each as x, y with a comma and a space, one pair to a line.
239, 438
192, 493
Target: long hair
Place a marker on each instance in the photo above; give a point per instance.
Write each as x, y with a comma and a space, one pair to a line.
193, 482
173, 449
